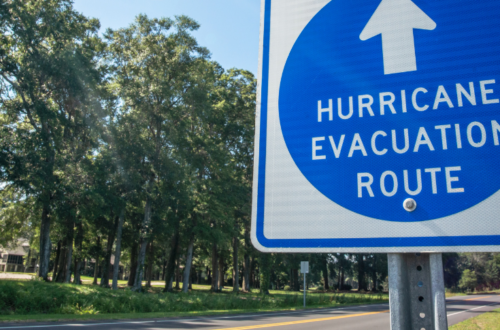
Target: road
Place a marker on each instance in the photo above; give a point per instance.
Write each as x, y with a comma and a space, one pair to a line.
371, 317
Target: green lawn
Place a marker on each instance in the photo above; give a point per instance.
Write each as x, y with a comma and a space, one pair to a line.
196, 287
476, 293
486, 321
36, 300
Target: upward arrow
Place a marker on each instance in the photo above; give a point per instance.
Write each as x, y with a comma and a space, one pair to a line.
395, 20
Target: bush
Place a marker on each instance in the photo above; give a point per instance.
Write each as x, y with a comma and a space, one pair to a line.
287, 288
346, 287
34, 297
320, 288
468, 280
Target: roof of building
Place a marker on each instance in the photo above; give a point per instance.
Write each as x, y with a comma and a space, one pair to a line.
19, 248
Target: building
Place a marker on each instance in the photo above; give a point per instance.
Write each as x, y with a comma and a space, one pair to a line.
14, 258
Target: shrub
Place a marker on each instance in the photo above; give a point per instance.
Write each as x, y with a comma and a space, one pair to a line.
346, 287
468, 280
34, 297
287, 288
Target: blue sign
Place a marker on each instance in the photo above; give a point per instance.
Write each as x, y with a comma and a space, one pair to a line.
381, 102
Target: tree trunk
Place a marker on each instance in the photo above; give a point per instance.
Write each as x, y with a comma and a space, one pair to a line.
171, 262
78, 256
106, 263
252, 273
164, 271
133, 263
78, 265
169, 285
236, 270
61, 269
177, 272
56, 263
27, 262
246, 270
325, 272
45, 243
96, 270
187, 267
69, 250
96, 265
374, 274
361, 273
246, 260
221, 273
144, 243
265, 272
141, 257
150, 264
215, 271
118, 249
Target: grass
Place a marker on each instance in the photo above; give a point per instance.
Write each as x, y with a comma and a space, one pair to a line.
486, 321
23, 300
476, 293
196, 287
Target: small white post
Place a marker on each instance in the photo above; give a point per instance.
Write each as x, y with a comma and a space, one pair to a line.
304, 269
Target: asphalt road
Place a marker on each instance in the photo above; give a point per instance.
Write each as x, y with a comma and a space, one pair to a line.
371, 317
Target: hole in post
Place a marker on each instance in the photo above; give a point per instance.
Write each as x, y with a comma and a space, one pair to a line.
420, 298
422, 315
420, 284
419, 268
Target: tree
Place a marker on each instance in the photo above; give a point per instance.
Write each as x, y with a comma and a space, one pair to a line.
153, 60
468, 280
48, 69
266, 264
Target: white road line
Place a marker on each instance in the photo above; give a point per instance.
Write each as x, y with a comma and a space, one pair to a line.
182, 320
495, 303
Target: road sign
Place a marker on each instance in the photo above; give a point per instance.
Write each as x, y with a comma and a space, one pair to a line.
378, 127
304, 267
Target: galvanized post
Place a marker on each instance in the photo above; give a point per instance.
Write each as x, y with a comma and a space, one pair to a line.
438, 292
416, 292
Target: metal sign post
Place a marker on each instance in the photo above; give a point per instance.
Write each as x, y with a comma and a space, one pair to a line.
416, 291
378, 131
304, 269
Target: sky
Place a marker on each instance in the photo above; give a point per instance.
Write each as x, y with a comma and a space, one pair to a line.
229, 28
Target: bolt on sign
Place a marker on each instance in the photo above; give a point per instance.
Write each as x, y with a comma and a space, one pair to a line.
378, 126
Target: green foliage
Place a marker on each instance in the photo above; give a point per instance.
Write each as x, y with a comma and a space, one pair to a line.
17, 214
22, 298
468, 280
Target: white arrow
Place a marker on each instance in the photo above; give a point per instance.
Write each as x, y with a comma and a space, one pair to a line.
395, 20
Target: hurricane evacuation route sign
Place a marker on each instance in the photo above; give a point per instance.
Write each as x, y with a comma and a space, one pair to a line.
378, 126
